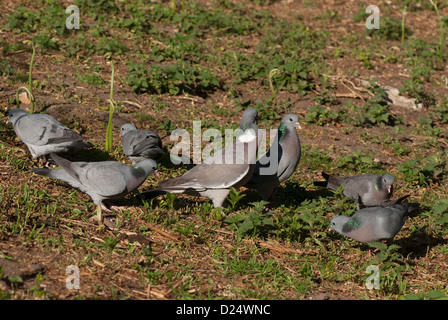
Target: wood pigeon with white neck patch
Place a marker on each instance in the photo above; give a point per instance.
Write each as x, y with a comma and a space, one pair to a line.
228, 167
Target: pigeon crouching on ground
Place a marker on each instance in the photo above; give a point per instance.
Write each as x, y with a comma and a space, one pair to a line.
140, 144
367, 190
374, 223
43, 134
102, 180
280, 161
228, 167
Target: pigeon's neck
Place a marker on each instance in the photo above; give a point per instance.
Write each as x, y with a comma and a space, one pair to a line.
282, 132
379, 184
353, 223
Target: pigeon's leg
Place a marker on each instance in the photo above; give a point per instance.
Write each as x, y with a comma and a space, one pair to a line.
218, 196
117, 208
112, 208
102, 206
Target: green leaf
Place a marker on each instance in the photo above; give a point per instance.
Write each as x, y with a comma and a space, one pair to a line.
436, 294
440, 206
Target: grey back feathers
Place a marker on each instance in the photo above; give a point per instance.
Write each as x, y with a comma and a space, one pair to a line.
43, 134
374, 223
228, 167
280, 161
140, 144
366, 189
100, 180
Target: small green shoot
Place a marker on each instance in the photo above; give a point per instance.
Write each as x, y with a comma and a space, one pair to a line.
112, 105
28, 90
235, 196
272, 73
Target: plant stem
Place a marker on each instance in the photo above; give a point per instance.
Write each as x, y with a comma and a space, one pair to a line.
109, 129
403, 15
28, 90
30, 79
442, 33
271, 85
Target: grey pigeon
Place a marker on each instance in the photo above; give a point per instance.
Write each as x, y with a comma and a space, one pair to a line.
140, 144
43, 134
228, 167
100, 180
366, 189
374, 223
280, 161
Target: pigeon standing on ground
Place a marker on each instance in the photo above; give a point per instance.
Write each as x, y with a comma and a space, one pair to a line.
228, 167
102, 180
280, 161
366, 189
43, 134
374, 223
140, 144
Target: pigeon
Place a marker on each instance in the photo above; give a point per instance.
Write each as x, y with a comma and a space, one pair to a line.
43, 134
367, 190
214, 177
140, 144
102, 180
374, 223
280, 161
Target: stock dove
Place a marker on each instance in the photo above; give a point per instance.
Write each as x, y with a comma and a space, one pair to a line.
366, 189
374, 223
43, 134
140, 144
102, 180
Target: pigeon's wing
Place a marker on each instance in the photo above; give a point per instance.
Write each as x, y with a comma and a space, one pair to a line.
144, 143
106, 178
208, 176
42, 129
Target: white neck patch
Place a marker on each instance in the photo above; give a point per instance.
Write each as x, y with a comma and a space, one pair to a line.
247, 136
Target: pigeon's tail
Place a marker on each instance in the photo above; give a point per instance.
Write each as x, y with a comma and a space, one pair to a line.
43, 172
59, 174
81, 144
390, 203
322, 183
331, 181
413, 206
152, 194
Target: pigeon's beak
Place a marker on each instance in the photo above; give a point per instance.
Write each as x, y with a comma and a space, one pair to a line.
389, 188
157, 173
7, 121
298, 126
330, 229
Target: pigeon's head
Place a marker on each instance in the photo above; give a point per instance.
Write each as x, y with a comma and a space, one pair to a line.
338, 222
291, 121
147, 165
387, 181
15, 114
126, 128
249, 116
